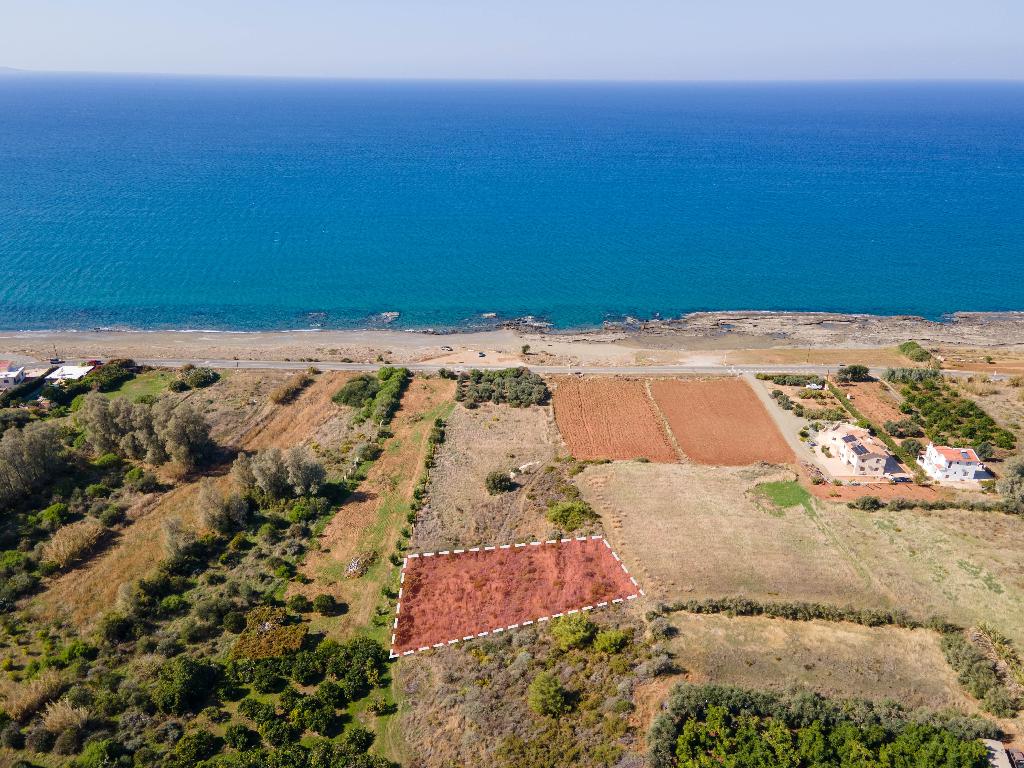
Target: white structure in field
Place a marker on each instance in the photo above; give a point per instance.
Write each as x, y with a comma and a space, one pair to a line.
944, 463
69, 373
9, 375
856, 446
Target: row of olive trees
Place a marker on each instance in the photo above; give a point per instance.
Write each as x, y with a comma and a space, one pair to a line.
30, 457
156, 433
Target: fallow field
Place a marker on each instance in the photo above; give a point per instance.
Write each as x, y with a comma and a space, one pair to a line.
720, 422
609, 418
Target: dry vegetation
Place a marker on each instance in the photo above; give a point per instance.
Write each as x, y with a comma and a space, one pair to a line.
835, 659
73, 542
699, 532
479, 441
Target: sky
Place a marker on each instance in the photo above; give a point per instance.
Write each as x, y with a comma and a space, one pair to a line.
522, 39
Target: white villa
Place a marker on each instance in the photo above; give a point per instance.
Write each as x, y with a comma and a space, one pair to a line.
944, 463
9, 375
69, 373
856, 447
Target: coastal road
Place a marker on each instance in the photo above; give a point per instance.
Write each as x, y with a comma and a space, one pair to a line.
483, 364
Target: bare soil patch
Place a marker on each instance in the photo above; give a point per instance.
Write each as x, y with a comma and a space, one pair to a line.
693, 532
720, 421
832, 658
608, 418
481, 440
456, 596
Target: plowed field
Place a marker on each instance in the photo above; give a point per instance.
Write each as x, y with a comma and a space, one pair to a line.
458, 596
610, 419
720, 422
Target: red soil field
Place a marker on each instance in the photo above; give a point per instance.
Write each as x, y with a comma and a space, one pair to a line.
459, 596
720, 422
610, 419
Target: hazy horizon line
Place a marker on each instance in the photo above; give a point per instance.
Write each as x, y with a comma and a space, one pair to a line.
580, 80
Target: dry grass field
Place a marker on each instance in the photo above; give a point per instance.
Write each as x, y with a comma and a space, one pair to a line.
834, 659
478, 441
699, 532
609, 418
720, 421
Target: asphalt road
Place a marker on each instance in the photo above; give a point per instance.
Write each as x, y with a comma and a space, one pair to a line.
483, 364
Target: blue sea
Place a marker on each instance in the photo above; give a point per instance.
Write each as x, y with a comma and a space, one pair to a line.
249, 204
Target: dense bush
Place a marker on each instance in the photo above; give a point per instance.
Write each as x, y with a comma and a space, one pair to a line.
977, 674
546, 697
515, 386
790, 379
852, 373
1011, 486
183, 683
571, 515
911, 375
914, 351
375, 397
191, 377
808, 730
573, 631
498, 482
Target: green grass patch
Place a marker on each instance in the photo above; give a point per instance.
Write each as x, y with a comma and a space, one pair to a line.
151, 383
784, 494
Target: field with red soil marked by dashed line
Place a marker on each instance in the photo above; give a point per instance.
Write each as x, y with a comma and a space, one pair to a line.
608, 418
459, 596
720, 422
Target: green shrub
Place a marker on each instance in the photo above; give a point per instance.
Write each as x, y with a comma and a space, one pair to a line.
358, 391
234, 622
611, 640
571, 515
196, 746
325, 605
299, 604
546, 697
240, 737
107, 461
182, 684
498, 482
573, 631
914, 351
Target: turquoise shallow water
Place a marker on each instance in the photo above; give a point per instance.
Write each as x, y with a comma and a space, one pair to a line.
256, 204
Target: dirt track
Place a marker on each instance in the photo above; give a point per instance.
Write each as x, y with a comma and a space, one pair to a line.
447, 597
605, 418
720, 422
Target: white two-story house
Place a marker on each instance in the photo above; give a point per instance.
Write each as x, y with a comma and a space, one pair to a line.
941, 462
857, 447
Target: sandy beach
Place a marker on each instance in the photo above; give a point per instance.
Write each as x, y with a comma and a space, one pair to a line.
718, 338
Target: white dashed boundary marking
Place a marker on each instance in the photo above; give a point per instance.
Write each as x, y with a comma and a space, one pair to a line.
497, 630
